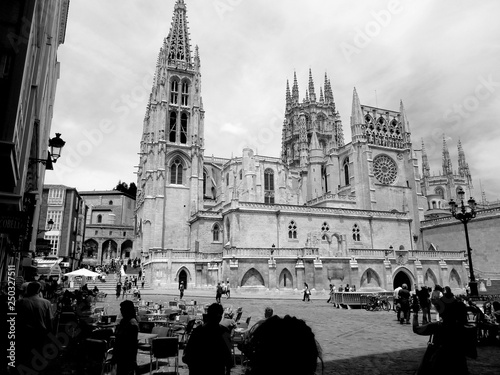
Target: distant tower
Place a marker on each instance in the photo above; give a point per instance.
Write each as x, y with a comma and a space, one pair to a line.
172, 143
447, 167
463, 167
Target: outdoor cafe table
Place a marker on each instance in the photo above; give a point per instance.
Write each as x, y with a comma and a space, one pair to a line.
102, 325
146, 336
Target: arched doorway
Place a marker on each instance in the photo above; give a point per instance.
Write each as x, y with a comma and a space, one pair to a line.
402, 278
183, 278
286, 280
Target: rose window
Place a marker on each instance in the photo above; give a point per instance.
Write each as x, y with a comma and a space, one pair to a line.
385, 169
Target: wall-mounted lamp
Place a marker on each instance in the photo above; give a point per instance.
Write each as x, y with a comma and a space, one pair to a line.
50, 225
56, 144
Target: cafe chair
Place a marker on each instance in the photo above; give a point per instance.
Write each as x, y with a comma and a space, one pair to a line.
165, 348
67, 322
237, 339
146, 326
103, 334
239, 313
97, 356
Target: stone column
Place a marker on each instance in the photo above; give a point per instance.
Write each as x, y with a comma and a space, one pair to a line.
388, 274
318, 275
299, 274
418, 272
272, 273
233, 275
443, 272
354, 271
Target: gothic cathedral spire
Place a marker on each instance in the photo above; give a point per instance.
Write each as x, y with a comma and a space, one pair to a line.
179, 48
357, 119
447, 167
463, 167
295, 89
312, 92
426, 170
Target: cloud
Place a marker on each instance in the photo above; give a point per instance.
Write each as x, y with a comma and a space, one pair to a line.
430, 54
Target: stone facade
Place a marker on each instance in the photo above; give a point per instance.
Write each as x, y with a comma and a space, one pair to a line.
325, 212
110, 229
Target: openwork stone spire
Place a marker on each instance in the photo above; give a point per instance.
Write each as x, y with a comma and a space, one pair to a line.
426, 170
312, 92
447, 167
179, 48
463, 167
295, 89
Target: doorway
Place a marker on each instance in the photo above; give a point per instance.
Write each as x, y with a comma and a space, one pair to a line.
183, 278
402, 278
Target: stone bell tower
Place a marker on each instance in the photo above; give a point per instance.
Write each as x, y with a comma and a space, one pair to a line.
170, 171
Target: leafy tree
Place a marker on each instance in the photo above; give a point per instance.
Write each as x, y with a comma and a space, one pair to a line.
127, 189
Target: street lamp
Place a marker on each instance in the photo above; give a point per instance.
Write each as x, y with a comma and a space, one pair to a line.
50, 225
56, 144
466, 213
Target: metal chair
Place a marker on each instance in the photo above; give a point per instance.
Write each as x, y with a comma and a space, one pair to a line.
97, 355
164, 348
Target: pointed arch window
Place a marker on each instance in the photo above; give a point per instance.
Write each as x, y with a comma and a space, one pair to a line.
184, 126
185, 93
345, 166
241, 174
292, 230
176, 172
227, 179
269, 186
355, 233
172, 133
174, 91
99, 218
216, 233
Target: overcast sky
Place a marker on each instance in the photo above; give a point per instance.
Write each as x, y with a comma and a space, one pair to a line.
440, 57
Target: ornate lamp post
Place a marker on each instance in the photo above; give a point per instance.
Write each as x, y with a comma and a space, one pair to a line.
466, 213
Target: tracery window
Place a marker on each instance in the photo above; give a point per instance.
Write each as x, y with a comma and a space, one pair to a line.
185, 93
385, 169
324, 228
269, 186
292, 230
176, 172
355, 233
172, 134
383, 133
174, 91
184, 125
345, 166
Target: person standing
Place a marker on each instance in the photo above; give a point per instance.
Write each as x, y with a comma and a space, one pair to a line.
36, 316
404, 299
436, 295
307, 293
143, 281
228, 289
218, 293
397, 304
208, 349
181, 290
118, 289
425, 304
125, 347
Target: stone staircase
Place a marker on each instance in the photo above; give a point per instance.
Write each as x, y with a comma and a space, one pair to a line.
109, 286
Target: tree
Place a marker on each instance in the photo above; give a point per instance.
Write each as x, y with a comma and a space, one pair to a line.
127, 189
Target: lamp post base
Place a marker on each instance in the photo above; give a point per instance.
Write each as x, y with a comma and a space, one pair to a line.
473, 288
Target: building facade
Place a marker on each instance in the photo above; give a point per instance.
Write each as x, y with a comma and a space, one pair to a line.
326, 211
62, 225
110, 227
31, 33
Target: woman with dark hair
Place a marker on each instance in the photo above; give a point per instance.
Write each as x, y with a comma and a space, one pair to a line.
125, 348
278, 340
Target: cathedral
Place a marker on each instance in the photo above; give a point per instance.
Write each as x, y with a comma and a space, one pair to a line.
326, 211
